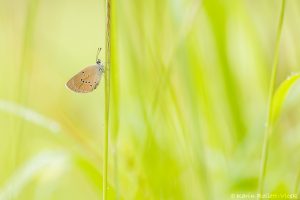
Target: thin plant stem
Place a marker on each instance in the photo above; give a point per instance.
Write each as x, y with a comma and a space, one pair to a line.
269, 124
23, 84
107, 96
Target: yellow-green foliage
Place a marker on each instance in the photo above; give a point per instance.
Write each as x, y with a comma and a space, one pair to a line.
188, 107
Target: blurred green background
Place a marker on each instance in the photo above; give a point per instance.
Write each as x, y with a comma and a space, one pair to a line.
189, 86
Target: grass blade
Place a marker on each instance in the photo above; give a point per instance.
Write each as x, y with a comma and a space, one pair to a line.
32, 168
30, 115
107, 95
268, 129
281, 94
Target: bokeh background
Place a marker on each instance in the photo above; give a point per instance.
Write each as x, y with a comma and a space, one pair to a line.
189, 88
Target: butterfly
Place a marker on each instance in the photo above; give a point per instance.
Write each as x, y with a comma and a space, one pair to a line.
87, 79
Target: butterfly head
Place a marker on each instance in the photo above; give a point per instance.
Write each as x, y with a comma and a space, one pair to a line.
101, 65
98, 61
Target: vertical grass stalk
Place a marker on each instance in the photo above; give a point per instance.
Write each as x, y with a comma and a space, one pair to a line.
269, 124
107, 97
23, 84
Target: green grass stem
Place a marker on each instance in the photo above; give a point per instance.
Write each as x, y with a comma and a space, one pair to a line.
107, 97
269, 124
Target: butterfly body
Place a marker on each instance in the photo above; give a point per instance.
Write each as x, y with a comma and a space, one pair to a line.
87, 79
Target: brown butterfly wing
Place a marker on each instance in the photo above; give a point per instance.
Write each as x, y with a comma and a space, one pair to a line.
86, 80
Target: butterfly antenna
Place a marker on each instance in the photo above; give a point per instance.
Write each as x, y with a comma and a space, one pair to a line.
97, 55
